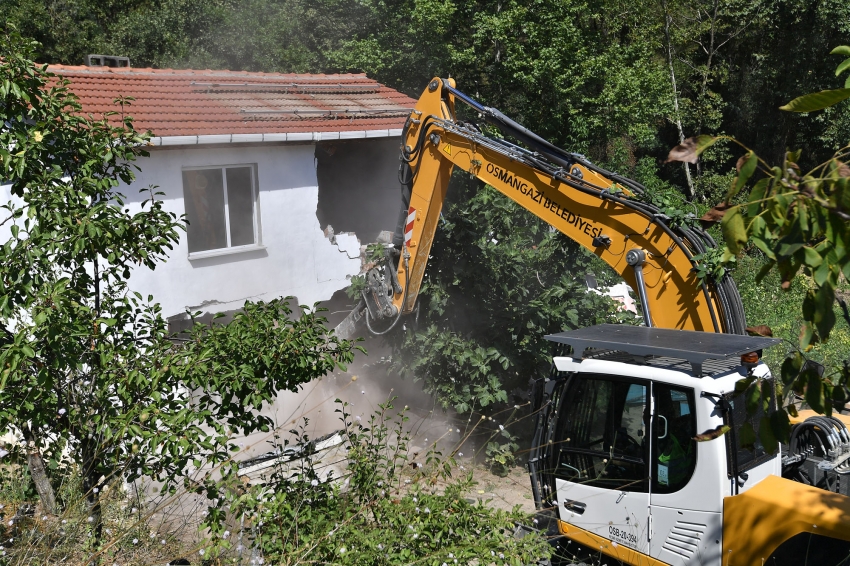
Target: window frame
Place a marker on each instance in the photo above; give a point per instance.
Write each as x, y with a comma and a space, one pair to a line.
734, 419
647, 384
651, 453
690, 396
256, 216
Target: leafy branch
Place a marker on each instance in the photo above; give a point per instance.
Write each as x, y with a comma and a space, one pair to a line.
798, 220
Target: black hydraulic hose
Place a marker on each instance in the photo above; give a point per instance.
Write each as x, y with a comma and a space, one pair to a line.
515, 129
795, 434
829, 429
729, 300
726, 289
728, 286
698, 244
842, 428
529, 138
406, 190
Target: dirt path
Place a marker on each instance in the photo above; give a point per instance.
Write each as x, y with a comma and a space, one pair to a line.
503, 492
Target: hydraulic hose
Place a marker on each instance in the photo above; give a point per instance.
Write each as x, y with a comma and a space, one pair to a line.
793, 445
690, 240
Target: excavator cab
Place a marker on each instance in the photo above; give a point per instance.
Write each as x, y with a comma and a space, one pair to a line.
617, 454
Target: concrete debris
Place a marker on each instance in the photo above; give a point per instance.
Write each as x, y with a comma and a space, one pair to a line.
349, 243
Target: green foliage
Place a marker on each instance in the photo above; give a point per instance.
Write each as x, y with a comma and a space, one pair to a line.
713, 264
608, 82
798, 221
767, 303
817, 100
501, 456
388, 508
89, 367
375, 256
825, 98
355, 287
496, 283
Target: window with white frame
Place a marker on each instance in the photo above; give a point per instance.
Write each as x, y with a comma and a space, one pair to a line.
221, 208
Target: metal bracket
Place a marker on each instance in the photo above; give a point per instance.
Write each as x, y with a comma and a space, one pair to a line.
391, 269
601, 241
376, 296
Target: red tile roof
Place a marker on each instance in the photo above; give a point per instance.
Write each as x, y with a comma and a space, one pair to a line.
172, 102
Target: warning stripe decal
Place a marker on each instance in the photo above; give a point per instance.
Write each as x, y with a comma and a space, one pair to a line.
408, 228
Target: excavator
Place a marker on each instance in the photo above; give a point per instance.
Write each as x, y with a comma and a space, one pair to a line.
629, 458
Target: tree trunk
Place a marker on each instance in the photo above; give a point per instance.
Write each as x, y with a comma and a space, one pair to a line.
39, 475
667, 18
95, 513
91, 477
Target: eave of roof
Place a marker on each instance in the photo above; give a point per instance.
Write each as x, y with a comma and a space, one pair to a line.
191, 107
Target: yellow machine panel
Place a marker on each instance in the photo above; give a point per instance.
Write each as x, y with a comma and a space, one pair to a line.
605, 546
758, 521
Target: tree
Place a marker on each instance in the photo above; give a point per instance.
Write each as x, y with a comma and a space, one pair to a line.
695, 35
89, 372
798, 220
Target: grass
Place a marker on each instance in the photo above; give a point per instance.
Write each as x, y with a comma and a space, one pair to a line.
137, 529
767, 303
290, 519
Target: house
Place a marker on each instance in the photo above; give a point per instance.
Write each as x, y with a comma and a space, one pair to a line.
282, 177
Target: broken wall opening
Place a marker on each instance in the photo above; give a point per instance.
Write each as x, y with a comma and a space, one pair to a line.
358, 186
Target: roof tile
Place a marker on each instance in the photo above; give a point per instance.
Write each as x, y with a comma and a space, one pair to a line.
172, 102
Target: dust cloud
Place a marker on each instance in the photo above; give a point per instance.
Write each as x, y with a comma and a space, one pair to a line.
366, 385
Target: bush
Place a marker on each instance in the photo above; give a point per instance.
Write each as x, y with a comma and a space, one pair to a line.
391, 507
501, 457
766, 303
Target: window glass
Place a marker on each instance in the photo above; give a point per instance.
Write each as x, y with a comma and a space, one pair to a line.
204, 197
240, 204
738, 456
601, 434
220, 207
674, 447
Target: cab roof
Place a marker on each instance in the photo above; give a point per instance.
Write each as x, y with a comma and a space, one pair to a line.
640, 341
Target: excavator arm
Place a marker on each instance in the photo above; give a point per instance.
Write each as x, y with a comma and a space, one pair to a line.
775, 520
597, 209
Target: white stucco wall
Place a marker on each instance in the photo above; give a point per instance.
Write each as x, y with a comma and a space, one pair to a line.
297, 260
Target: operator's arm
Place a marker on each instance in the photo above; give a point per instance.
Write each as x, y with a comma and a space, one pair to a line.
589, 205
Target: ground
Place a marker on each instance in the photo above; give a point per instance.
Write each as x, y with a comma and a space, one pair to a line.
504, 492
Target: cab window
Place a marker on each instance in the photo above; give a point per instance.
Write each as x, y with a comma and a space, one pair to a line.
674, 447
601, 433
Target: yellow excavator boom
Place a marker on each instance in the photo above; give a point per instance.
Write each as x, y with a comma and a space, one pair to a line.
595, 208
602, 225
